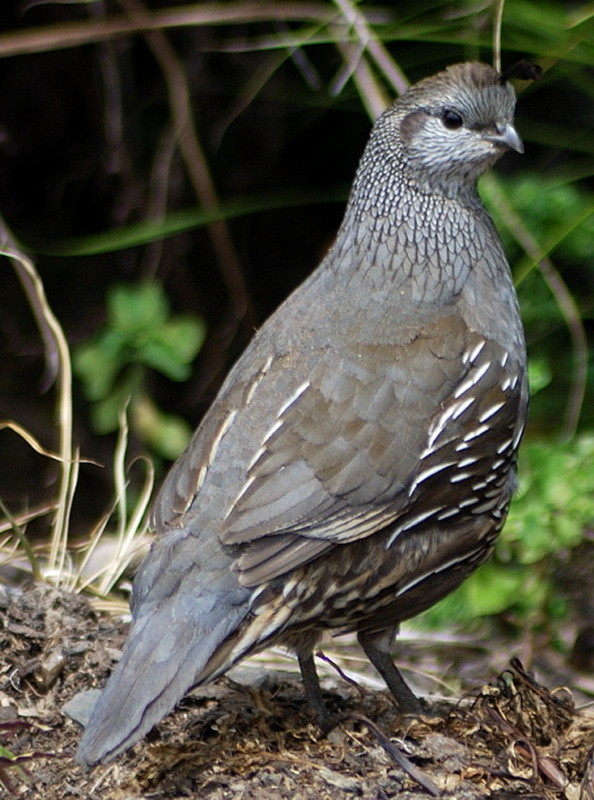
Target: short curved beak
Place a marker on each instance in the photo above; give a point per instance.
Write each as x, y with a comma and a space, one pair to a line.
506, 136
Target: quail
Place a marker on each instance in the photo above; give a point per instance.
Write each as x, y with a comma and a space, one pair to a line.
358, 462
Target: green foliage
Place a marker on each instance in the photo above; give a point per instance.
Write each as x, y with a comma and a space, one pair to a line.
555, 285
553, 505
555, 500
139, 335
549, 210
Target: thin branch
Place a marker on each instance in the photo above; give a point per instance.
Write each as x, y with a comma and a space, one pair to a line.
194, 158
75, 34
398, 757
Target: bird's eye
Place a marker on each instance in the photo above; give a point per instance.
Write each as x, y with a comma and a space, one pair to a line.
451, 119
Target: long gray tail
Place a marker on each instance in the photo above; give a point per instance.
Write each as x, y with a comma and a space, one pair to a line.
167, 649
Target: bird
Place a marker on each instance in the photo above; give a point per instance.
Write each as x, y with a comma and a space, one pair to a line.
359, 459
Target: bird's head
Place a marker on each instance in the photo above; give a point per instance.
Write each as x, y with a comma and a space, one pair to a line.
454, 125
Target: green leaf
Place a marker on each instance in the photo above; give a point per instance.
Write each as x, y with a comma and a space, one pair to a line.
161, 356
138, 309
493, 589
540, 374
185, 335
97, 364
146, 231
168, 435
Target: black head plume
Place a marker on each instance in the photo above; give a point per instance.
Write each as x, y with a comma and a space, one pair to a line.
524, 70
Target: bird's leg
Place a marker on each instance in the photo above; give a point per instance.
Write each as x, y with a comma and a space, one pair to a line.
311, 683
376, 647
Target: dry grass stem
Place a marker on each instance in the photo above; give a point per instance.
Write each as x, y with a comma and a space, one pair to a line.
56, 348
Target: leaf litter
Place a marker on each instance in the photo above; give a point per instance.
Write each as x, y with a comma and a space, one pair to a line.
249, 735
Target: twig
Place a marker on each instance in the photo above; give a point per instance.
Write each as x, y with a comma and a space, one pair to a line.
323, 657
194, 159
75, 34
399, 758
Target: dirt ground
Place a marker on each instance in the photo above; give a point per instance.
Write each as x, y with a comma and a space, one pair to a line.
250, 736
